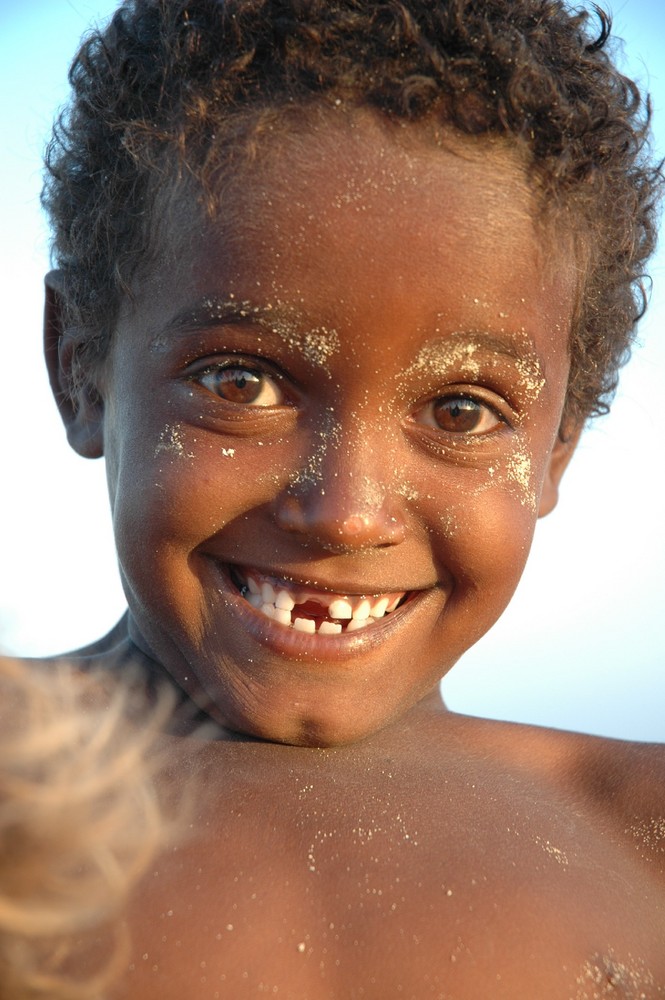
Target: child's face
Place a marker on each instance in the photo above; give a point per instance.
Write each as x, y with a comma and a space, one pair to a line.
349, 386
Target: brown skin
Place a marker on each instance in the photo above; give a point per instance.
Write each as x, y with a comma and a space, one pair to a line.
369, 280
444, 857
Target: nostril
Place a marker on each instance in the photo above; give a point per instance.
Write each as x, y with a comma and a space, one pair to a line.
323, 521
290, 515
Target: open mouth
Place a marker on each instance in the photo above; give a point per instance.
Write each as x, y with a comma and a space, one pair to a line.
312, 611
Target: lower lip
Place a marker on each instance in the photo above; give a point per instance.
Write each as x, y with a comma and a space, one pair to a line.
292, 643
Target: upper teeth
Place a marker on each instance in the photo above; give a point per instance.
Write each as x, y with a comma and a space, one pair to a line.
340, 608
277, 602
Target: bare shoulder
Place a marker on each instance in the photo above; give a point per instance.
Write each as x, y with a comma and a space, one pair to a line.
625, 782
620, 783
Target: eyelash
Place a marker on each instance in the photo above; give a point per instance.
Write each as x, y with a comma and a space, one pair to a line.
265, 380
467, 405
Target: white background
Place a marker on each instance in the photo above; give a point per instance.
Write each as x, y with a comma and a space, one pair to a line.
583, 644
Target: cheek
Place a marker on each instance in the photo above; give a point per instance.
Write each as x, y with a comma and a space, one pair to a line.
481, 522
480, 539
173, 486
488, 536
177, 487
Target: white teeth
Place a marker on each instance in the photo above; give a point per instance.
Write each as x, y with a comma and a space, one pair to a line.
329, 628
357, 623
285, 601
379, 609
362, 611
304, 625
277, 604
340, 608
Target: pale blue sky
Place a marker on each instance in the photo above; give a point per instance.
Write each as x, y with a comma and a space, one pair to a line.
583, 644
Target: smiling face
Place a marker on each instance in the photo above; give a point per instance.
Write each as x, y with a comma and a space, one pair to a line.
330, 421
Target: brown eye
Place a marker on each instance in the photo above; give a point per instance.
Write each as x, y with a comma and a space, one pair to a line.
241, 385
461, 415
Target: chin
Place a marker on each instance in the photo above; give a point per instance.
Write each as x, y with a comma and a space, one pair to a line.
319, 729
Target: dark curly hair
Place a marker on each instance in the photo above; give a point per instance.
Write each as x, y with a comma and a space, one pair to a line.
172, 87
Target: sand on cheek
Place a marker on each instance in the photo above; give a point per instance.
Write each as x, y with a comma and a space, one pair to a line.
164, 506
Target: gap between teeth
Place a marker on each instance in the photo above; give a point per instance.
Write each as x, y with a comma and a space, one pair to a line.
309, 625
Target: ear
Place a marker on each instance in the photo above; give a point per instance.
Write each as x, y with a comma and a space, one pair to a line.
79, 404
561, 454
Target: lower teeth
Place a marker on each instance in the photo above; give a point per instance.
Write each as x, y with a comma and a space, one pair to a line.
324, 626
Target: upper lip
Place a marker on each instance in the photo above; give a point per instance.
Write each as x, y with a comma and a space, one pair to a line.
341, 585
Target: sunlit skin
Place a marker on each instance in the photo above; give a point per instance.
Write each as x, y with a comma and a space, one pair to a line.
350, 382
347, 472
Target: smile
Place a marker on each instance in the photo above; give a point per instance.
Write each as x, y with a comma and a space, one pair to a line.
310, 610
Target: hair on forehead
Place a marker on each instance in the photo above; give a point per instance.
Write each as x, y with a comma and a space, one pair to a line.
173, 94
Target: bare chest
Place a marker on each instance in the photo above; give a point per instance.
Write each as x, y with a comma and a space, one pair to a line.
322, 884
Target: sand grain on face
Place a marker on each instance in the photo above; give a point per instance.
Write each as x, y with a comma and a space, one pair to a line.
465, 354
518, 473
441, 357
328, 434
171, 440
316, 345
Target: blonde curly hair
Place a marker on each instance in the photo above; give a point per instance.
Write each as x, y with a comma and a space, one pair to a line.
81, 816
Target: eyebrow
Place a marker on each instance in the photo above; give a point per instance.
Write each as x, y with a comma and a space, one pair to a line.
442, 351
276, 320
440, 354
213, 310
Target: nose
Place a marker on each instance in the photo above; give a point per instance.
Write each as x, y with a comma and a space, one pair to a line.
336, 530
342, 509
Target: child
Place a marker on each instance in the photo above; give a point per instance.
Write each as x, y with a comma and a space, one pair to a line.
338, 285
80, 821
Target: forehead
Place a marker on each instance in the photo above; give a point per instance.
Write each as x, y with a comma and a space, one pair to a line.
362, 216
